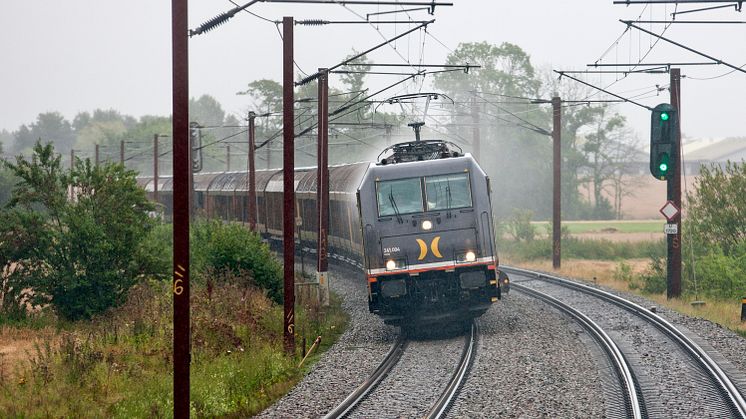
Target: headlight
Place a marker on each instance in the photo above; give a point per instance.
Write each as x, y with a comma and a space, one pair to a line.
427, 225
391, 265
470, 256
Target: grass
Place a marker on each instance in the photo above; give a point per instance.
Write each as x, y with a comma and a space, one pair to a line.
615, 275
120, 364
618, 226
575, 248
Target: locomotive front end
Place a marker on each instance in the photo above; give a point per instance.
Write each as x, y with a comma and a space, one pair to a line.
428, 240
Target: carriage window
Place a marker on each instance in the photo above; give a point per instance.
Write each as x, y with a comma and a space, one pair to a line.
448, 191
402, 196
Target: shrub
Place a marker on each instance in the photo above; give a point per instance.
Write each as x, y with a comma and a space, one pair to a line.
79, 253
717, 275
520, 227
222, 248
654, 278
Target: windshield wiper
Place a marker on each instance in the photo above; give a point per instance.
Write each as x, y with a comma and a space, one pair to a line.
448, 193
396, 208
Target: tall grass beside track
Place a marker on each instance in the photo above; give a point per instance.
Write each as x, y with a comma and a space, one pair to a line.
120, 364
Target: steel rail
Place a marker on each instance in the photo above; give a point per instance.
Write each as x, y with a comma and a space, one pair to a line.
724, 384
457, 380
351, 401
632, 402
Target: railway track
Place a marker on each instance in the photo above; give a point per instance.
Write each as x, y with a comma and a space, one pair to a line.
706, 380
389, 362
632, 403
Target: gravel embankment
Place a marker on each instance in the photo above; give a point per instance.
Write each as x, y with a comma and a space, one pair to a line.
672, 385
417, 380
531, 362
348, 363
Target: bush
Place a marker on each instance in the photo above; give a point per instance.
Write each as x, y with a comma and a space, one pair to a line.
220, 248
520, 227
717, 275
584, 249
155, 254
654, 278
82, 257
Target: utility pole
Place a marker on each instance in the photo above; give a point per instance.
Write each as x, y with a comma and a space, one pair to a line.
227, 158
322, 186
475, 131
72, 159
557, 177
182, 168
252, 173
121, 152
96, 158
673, 189
155, 167
288, 183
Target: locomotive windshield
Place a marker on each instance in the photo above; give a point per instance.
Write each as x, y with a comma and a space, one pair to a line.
442, 192
447, 191
401, 196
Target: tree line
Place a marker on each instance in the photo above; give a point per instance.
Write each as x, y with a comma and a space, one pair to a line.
597, 144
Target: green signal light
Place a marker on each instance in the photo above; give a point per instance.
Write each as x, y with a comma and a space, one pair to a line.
663, 167
664, 116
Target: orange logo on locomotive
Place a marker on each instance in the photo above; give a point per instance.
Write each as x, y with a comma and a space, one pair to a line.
433, 247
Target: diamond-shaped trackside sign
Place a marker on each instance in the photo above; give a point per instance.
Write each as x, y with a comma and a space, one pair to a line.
670, 210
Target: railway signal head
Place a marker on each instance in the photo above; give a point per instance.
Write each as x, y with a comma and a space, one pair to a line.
664, 129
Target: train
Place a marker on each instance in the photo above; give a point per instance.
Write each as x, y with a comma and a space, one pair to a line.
418, 223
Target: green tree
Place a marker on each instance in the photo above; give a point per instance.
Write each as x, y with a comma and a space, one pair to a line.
77, 252
49, 127
717, 208
355, 79
514, 145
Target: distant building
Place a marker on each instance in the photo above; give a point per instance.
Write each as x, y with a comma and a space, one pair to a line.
730, 149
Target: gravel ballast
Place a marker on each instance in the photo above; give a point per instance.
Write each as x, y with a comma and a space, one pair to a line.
531, 361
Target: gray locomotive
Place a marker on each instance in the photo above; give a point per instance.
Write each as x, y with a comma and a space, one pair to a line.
428, 235
424, 211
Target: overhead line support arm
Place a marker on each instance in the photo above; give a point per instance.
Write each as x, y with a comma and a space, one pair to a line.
630, 24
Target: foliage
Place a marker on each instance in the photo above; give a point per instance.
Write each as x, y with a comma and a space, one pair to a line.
120, 365
717, 207
583, 249
519, 225
354, 81
716, 275
220, 248
7, 180
77, 253
653, 280
48, 127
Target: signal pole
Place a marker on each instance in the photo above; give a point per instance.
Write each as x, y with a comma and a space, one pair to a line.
322, 186
556, 195
252, 173
475, 131
227, 158
182, 169
673, 189
288, 183
155, 167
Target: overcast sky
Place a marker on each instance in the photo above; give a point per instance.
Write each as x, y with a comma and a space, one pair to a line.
79, 55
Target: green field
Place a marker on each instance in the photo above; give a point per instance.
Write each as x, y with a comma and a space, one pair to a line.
632, 226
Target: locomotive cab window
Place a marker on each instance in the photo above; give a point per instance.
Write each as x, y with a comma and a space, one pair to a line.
401, 196
446, 192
